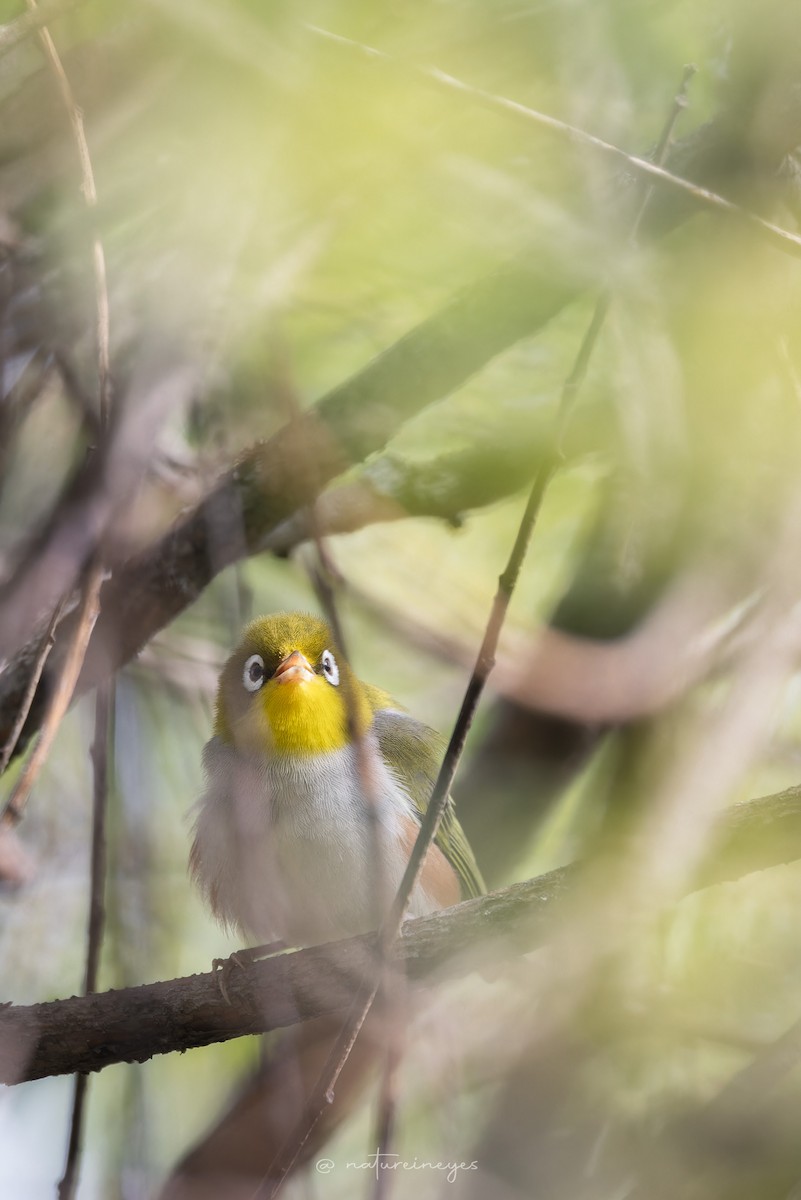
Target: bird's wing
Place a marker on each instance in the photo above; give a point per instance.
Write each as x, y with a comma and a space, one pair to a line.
414, 752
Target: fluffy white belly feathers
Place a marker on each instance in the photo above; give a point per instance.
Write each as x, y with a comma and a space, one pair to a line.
283, 847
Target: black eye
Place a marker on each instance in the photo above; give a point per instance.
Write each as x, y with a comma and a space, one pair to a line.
253, 674
330, 668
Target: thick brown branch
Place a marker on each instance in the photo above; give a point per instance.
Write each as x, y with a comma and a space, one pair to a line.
87, 1033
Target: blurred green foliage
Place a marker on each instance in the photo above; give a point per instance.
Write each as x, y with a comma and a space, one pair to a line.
279, 208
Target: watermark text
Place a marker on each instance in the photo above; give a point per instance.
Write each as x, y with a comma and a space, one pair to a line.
380, 1161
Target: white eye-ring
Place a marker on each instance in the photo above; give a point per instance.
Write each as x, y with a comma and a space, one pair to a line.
330, 668
253, 674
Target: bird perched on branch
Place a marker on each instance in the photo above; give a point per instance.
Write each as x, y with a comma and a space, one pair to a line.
315, 787
316, 783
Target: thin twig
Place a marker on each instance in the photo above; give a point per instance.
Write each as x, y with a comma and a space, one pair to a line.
387, 1105
579, 371
508, 580
394, 992
665, 139
89, 191
101, 749
325, 579
387, 979
33, 682
104, 704
324, 1090
790, 243
325, 576
61, 697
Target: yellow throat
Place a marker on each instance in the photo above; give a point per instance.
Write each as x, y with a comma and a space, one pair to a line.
286, 690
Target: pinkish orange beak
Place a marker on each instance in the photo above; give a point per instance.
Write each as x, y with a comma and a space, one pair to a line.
295, 668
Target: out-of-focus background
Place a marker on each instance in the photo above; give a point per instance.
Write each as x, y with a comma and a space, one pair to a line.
276, 208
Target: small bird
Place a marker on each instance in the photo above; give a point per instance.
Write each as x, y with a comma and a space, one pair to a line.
315, 787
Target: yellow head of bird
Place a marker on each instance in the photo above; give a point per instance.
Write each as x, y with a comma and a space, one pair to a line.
286, 690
